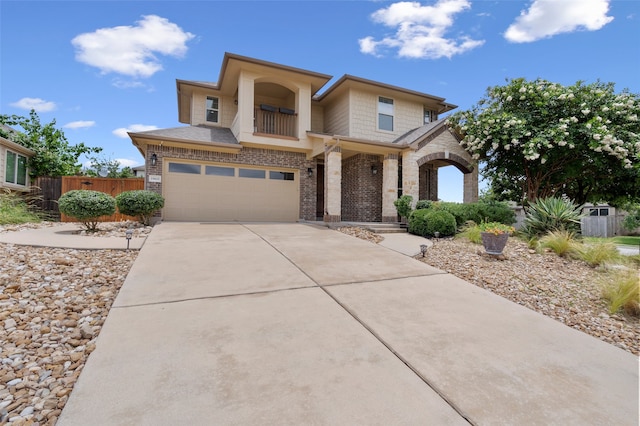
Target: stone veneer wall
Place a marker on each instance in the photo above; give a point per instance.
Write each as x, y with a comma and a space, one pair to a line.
361, 190
250, 156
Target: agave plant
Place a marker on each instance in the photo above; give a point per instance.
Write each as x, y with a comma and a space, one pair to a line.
551, 214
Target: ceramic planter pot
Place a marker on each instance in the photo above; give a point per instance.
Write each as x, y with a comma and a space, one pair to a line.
494, 244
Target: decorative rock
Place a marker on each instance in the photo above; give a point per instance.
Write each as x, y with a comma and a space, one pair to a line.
48, 308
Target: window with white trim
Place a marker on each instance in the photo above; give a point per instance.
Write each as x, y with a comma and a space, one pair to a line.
15, 169
427, 116
385, 114
212, 109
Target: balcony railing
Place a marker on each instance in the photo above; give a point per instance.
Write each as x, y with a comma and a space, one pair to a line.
275, 121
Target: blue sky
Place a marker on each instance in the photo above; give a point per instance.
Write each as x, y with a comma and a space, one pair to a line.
101, 68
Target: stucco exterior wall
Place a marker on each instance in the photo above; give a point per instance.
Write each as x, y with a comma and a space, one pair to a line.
249, 156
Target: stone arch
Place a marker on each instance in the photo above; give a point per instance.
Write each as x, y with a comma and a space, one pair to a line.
452, 159
428, 175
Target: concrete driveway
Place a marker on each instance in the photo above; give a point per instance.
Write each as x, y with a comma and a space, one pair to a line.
298, 324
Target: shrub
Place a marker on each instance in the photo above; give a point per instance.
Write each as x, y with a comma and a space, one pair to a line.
479, 212
427, 222
423, 204
14, 209
140, 203
403, 205
621, 290
560, 242
599, 253
87, 206
546, 215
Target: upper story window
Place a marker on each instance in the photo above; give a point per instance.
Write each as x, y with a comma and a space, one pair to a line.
16, 169
212, 109
385, 114
427, 116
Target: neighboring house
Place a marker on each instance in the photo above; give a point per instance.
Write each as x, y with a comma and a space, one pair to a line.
13, 163
263, 144
138, 171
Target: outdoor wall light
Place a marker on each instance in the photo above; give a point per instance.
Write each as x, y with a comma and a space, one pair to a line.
310, 172
128, 234
423, 249
374, 169
154, 159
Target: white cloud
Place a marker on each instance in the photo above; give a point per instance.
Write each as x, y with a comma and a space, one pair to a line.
125, 162
79, 124
546, 18
37, 104
131, 50
420, 30
122, 131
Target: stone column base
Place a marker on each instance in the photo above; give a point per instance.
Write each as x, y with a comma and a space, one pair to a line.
389, 219
332, 218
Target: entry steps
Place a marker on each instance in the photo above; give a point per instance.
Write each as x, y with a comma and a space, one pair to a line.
383, 228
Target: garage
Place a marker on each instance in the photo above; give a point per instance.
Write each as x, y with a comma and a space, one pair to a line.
220, 192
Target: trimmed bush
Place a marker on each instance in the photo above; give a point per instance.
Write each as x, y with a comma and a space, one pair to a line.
140, 203
427, 222
546, 215
483, 211
403, 205
87, 206
423, 204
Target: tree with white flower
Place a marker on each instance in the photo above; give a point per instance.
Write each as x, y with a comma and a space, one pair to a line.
535, 139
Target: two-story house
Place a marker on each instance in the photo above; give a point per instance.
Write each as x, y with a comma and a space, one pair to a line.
263, 144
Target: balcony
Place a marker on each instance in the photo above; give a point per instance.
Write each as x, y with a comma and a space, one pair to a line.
277, 121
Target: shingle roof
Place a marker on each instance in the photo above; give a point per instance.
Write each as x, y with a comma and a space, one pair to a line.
415, 134
195, 133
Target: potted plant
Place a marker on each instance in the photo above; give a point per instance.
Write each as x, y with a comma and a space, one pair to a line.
494, 236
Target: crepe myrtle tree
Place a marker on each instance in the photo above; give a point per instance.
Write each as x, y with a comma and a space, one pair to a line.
536, 139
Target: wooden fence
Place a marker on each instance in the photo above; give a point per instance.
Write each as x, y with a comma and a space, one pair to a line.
45, 192
111, 186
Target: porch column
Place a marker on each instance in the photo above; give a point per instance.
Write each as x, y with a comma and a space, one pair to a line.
389, 188
410, 176
332, 184
470, 193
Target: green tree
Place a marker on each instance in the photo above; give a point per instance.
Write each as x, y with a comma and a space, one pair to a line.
537, 139
54, 156
108, 168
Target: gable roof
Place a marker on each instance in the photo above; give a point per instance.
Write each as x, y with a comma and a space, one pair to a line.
203, 134
203, 137
347, 81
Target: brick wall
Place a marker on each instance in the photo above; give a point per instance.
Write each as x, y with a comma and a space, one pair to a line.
361, 189
250, 156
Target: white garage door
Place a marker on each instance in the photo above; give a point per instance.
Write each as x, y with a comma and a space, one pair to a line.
211, 192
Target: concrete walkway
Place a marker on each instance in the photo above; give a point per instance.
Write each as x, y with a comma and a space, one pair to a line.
298, 324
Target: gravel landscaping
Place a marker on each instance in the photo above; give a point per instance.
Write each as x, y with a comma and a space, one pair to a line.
53, 303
